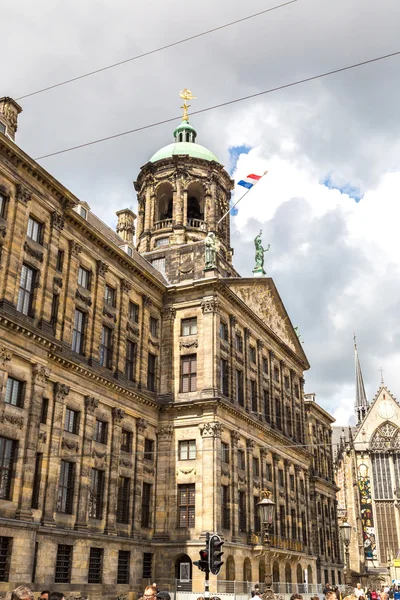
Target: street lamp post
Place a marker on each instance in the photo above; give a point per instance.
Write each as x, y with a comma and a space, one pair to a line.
346, 536
266, 509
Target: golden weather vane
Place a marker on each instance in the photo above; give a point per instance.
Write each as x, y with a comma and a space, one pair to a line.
186, 95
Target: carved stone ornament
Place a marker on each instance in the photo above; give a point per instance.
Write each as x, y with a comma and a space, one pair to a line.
5, 356
125, 462
225, 469
242, 478
213, 429
61, 390
23, 194
40, 374
188, 344
97, 454
118, 414
57, 281
149, 470
264, 452
3, 230
168, 312
153, 343
12, 419
42, 437
235, 437
191, 471
67, 203
146, 301
250, 445
233, 320
109, 314
141, 425
126, 286
36, 254
91, 404
102, 268
70, 444
132, 329
260, 344
210, 305
257, 484
165, 433
57, 220
75, 248
82, 298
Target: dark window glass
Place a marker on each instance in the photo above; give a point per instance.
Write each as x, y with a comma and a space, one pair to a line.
242, 512
225, 453
302, 487
124, 559
71, 421
54, 310
224, 377
60, 260
151, 372
106, 347
241, 460
66, 487
84, 278
148, 449
110, 295
189, 326
37, 480
257, 521
100, 431
44, 411
123, 500
126, 441
286, 382
283, 521
239, 388
130, 360
253, 394
252, 354
34, 231
296, 390
2, 206
26, 288
267, 406
14, 392
256, 466
187, 450
153, 326
95, 565
281, 478
186, 505
133, 312
147, 565
293, 524
78, 332
278, 413
189, 373
265, 365
5, 557
276, 374
96, 494
146, 505
63, 564
223, 331
238, 342
268, 468
225, 507
7, 453
291, 481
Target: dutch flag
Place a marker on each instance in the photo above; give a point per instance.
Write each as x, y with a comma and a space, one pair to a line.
250, 180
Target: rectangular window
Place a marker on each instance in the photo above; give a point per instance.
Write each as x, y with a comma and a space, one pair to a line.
44, 411
256, 466
224, 377
66, 487
252, 354
5, 557
296, 390
225, 453
153, 326
63, 564
241, 460
133, 312
257, 521
147, 565
26, 288
282, 514
242, 512
382, 477
71, 421
238, 342
276, 374
37, 480
189, 373
162, 242
84, 278
189, 326
14, 392
151, 372
267, 406
149, 449
187, 450
225, 508
264, 365
106, 347
302, 487
286, 382
291, 482
239, 388
123, 500
126, 441
100, 431
2, 206
95, 565
78, 332
146, 505
96, 494
278, 413
110, 295
54, 310
34, 230
60, 261
2, 127
223, 331
268, 470
124, 560
130, 360
281, 478
253, 394
186, 505
82, 212
159, 264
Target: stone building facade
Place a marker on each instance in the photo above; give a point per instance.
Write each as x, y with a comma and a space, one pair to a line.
146, 397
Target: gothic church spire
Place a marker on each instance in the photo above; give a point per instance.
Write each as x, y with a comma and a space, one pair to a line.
361, 403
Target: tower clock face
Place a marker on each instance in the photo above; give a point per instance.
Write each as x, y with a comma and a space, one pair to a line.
386, 410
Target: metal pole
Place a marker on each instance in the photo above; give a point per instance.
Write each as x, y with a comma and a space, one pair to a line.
268, 591
207, 578
241, 198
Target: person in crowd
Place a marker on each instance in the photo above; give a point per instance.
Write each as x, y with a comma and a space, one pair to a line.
44, 595
150, 592
56, 596
327, 588
20, 593
391, 592
374, 595
396, 593
359, 591
331, 595
296, 597
256, 589
163, 595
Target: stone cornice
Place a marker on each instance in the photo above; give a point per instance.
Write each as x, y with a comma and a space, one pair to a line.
32, 332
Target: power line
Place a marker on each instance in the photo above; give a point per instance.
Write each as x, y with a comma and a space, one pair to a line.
177, 43
229, 102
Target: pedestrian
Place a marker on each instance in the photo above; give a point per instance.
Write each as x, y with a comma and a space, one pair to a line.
56, 596
358, 591
326, 589
374, 595
256, 590
163, 595
20, 593
150, 592
296, 597
44, 595
331, 595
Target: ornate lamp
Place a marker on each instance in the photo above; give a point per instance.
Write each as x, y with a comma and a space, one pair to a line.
266, 509
345, 528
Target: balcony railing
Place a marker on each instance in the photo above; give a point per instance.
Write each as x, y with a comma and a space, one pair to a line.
196, 223
164, 224
286, 544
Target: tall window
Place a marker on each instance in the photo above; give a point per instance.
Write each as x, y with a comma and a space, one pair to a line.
26, 288
268, 471
267, 407
5, 557
100, 431
71, 422
37, 480
276, 374
63, 564
242, 512
126, 441
54, 310
225, 507
60, 260
238, 342
224, 377
14, 389
130, 360
147, 565
257, 521
133, 312
282, 514
7, 453
189, 326
95, 565
2, 206
151, 372
186, 505
146, 504
253, 394
110, 295
124, 559
189, 373
385, 520
382, 477
96, 494
278, 413
123, 500
106, 347
149, 449
66, 487
84, 278
294, 523
34, 231
44, 411
256, 466
264, 363
241, 460
153, 326
239, 388
223, 331
286, 382
296, 390
252, 354
187, 450
281, 478
78, 331
225, 453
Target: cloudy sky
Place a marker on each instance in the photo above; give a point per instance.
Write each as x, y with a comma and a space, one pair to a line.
329, 205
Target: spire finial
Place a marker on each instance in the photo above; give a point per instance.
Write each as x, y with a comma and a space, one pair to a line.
361, 403
355, 341
381, 372
186, 95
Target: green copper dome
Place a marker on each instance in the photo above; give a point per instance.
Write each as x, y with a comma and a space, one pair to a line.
185, 136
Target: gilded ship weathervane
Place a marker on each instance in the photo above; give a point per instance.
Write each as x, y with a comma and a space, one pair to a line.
186, 95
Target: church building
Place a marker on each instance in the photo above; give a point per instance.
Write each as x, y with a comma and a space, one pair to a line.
148, 393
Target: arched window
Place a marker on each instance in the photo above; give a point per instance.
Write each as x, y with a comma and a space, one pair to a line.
247, 576
230, 568
309, 574
183, 571
261, 570
288, 573
164, 202
299, 574
195, 204
275, 572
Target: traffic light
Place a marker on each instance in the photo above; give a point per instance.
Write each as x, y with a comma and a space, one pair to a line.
203, 564
215, 554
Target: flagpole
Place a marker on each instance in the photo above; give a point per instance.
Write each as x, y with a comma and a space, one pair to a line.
241, 198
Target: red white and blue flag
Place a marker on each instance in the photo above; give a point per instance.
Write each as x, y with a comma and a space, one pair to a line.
250, 180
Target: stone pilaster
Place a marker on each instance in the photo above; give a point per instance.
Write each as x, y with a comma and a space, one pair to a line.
211, 449
40, 376
246, 383
61, 391
263, 461
5, 357
53, 279
260, 382
311, 543
141, 426
210, 308
143, 345
167, 353
286, 479
97, 325
235, 436
299, 528
111, 516
302, 413
232, 390
68, 310
276, 459
165, 503
120, 345
250, 485
271, 387
91, 405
